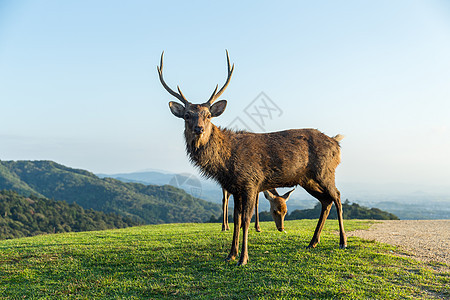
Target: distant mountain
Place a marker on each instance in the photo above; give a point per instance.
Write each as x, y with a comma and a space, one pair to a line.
22, 216
150, 177
198, 187
148, 204
407, 201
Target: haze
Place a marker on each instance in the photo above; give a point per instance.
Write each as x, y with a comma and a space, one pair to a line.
78, 81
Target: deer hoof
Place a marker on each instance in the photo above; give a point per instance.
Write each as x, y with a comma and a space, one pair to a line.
242, 262
258, 229
230, 258
342, 246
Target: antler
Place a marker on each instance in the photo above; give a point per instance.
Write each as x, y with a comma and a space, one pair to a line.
214, 96
178, 95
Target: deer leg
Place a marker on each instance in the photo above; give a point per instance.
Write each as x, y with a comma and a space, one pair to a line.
327, 193
337, 202
258, 229
319, 192
236, 229
326, 207
226, 197
247, 211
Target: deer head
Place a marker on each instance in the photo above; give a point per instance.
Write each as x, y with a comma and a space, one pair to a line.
278, 207
197, 117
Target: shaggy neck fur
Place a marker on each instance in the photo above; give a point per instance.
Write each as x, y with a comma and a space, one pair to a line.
210, 152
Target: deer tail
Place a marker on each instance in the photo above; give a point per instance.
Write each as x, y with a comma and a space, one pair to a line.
338, 137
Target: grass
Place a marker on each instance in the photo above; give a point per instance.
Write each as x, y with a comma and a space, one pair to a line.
186, 261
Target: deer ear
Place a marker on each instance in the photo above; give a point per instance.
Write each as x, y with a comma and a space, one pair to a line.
218, 108
274, 192
177, 109
269, 196
286, 196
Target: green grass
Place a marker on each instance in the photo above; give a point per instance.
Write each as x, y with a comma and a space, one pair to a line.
186, 261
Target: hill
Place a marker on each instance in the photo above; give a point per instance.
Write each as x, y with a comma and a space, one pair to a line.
350, 211
28, 216
148, 204
186, 261
196, 186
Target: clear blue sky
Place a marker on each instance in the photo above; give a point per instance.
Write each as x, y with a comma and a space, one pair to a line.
78, 80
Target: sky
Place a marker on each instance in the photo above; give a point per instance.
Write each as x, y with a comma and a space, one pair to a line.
78, 81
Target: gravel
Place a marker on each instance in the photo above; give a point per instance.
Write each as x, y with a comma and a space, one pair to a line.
426, 240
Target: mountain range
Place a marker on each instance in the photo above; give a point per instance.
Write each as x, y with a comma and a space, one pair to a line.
153, 197
148, 204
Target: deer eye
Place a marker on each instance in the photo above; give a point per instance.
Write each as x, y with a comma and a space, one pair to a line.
209, 116
186, 116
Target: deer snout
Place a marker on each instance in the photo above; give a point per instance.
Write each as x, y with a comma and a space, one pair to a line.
199, 129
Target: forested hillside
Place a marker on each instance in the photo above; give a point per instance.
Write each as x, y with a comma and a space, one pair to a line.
148, 204
350, 211
22, 216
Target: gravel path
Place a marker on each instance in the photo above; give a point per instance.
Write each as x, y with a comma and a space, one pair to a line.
426, 240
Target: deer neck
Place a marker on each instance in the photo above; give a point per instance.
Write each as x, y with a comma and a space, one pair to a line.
210, 153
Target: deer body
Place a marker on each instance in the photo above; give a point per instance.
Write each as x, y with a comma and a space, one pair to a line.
263, 161
246, 164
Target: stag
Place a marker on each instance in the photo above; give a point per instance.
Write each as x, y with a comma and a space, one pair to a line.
248, 163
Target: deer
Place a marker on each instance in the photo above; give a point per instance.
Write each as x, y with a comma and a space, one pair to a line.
246, 163
278, 208
225, 199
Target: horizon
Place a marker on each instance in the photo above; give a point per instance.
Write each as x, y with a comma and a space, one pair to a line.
78, 81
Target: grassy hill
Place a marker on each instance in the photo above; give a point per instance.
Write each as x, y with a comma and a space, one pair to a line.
186, 261
149, 204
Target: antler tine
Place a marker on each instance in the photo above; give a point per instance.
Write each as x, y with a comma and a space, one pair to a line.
178, 95
181, 94
214, 96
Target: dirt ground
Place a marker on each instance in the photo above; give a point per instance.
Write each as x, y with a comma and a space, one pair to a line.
426, 240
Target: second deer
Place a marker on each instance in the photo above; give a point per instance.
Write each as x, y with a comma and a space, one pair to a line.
278, 208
